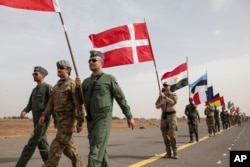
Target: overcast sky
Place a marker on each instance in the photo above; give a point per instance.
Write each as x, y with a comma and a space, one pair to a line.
213, 34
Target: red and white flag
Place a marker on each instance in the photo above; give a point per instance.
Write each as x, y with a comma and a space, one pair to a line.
40, 5
177, 78
127, 44
200, 97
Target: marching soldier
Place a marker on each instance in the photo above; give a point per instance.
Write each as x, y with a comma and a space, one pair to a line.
64, 103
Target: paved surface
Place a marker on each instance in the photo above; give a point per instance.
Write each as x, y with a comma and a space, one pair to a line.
144, 147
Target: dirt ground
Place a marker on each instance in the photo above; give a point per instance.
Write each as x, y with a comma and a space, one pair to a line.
24, 127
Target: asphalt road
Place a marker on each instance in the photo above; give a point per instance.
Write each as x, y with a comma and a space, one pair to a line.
144, 147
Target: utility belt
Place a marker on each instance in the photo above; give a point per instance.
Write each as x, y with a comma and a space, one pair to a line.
164, 115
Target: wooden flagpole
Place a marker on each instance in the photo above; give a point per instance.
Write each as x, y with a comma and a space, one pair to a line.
72, 57
67, 39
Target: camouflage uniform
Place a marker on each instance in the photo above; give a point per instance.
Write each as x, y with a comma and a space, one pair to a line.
217, 119
65, 104
209, 112
228, 119
169, 124
193, 117
223, 118
37, 103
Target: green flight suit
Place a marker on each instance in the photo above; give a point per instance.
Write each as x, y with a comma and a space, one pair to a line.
37, 103
99, 92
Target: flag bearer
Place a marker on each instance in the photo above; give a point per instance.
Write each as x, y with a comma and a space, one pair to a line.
99, 90
64, 103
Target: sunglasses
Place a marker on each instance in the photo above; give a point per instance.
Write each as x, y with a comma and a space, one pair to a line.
35, 74
61, 67
93, 60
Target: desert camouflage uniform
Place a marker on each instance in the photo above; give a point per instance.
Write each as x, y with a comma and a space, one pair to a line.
169, 124
65, 104
209, 112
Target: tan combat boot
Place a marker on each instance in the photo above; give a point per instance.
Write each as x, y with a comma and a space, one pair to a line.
175, 155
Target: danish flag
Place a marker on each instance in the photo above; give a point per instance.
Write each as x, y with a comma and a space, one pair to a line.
127, 44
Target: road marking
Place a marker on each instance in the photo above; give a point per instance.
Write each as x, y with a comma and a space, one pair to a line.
159, 156
219, 162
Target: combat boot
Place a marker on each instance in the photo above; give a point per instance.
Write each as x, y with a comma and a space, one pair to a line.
175, 155
191, 139
196, 136
168, 154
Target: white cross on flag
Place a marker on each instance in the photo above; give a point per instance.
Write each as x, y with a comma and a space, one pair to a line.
127, 44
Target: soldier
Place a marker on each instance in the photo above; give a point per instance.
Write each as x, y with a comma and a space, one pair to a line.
166, 102
99, 90
238, 119
223, 118
217, 119
65, 104
209, 112
193, 117
228, 119
37, 102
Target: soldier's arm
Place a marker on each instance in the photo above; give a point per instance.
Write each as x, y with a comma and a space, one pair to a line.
120, 98
171, 100
79, 107
28, 106
159, 103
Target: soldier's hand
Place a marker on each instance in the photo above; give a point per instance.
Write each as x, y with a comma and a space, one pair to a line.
162, 94
78, 82
131, 123
41, 119
22, 115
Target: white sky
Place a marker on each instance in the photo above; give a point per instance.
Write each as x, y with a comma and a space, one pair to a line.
213, 34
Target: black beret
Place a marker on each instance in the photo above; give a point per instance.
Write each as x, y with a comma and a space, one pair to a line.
40, 69
96, 53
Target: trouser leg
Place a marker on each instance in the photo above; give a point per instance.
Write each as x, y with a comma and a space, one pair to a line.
71, 152
33, 142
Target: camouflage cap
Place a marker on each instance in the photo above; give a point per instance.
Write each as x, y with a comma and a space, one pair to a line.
41, 70
96, 53
63, 63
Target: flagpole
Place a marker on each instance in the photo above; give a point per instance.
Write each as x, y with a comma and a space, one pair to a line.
70, 50
153, 57
71, 54
189, 94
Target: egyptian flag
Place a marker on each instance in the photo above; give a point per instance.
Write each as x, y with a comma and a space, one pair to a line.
177, 78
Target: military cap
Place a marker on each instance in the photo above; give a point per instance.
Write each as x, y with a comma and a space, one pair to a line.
41, 70
63, 63
96, 53
166, 84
